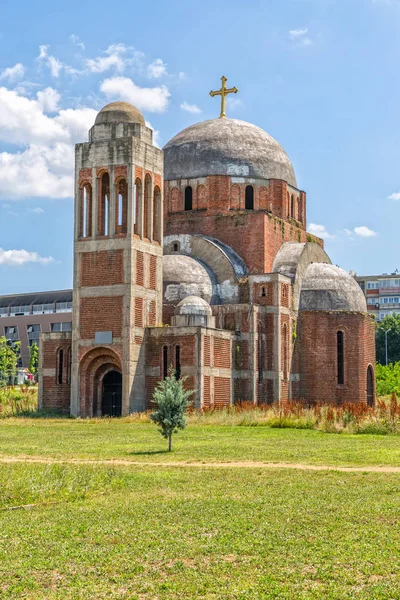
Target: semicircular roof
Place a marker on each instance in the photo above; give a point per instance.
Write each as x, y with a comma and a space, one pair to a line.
226, 147
119, 112
327, 287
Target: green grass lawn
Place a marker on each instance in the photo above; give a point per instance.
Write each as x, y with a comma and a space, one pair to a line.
118, 438
144, 532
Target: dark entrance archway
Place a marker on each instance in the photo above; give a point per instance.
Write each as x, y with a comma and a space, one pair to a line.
370, 386
111, 405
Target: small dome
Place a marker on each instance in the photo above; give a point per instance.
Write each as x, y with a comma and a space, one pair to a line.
193, 305
326, 287
184, 276
119, 112
226, 147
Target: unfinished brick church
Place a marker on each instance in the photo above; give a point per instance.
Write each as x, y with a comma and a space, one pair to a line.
196, 257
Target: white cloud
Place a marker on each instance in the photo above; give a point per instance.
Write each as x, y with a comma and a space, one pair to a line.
38, 172
363, 231
191, 108
50, 61
36, 211
76, 41
319, 231
394, 196
13, 73
44, 168
157, 69
48, 99
300, 37
117, 56
17, 258
22, 120
122, 88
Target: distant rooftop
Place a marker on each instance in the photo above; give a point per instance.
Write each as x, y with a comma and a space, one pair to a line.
36, 298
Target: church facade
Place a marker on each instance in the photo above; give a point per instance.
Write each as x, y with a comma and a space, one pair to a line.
196, 258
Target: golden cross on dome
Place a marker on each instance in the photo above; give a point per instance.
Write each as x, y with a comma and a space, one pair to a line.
223, 92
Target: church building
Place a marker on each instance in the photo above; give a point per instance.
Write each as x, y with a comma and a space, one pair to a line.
196, 258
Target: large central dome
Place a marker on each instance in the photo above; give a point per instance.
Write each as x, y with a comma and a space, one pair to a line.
226, 147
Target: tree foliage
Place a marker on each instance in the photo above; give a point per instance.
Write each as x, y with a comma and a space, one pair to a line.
171, 399
8, 360
388, 379
391, 322
33, 358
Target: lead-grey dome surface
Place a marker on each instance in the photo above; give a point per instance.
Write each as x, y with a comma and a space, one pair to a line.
226, 147
185, 276
327, 287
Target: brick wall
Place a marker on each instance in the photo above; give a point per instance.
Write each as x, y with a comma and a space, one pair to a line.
317, 347
55, 395
103, 267
101, 314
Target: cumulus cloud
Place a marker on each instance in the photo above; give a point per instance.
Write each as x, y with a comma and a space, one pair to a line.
363, 231
44, 167
117, 57
157, 69
17, 258
319, 231
153, 99
48, 100
191, 108
13, 73
394, 196
300, 37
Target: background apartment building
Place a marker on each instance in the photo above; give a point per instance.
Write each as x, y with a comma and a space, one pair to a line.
24, 316
382, 293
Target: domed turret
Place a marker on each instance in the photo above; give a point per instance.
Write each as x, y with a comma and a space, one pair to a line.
226, 147
119, 112
120, 120
326, 287
193, 312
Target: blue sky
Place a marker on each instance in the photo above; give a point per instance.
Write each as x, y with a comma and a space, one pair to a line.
321, 76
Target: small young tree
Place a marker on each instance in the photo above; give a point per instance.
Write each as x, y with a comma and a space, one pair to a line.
8, 360
171, 399
33, 359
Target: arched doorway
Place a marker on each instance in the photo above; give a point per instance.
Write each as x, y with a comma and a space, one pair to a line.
370, 386
111, 405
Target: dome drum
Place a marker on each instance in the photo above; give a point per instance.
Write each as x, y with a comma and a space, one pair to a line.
120, 120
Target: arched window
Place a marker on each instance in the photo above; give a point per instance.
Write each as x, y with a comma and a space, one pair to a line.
177, 362
104, 205
85, 229
249, 198
175, 246
340, 358
137, 194
299, 210
292, 210
165, 362
121, 206
69, 365
60, 366
188, 198
263, 294
147, 225
285, 353
370, 387
157, 214
260, 353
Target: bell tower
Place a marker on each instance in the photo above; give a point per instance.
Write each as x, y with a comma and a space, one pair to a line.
118, 232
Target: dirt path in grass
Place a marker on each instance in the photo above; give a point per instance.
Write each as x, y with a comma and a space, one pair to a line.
196, 465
